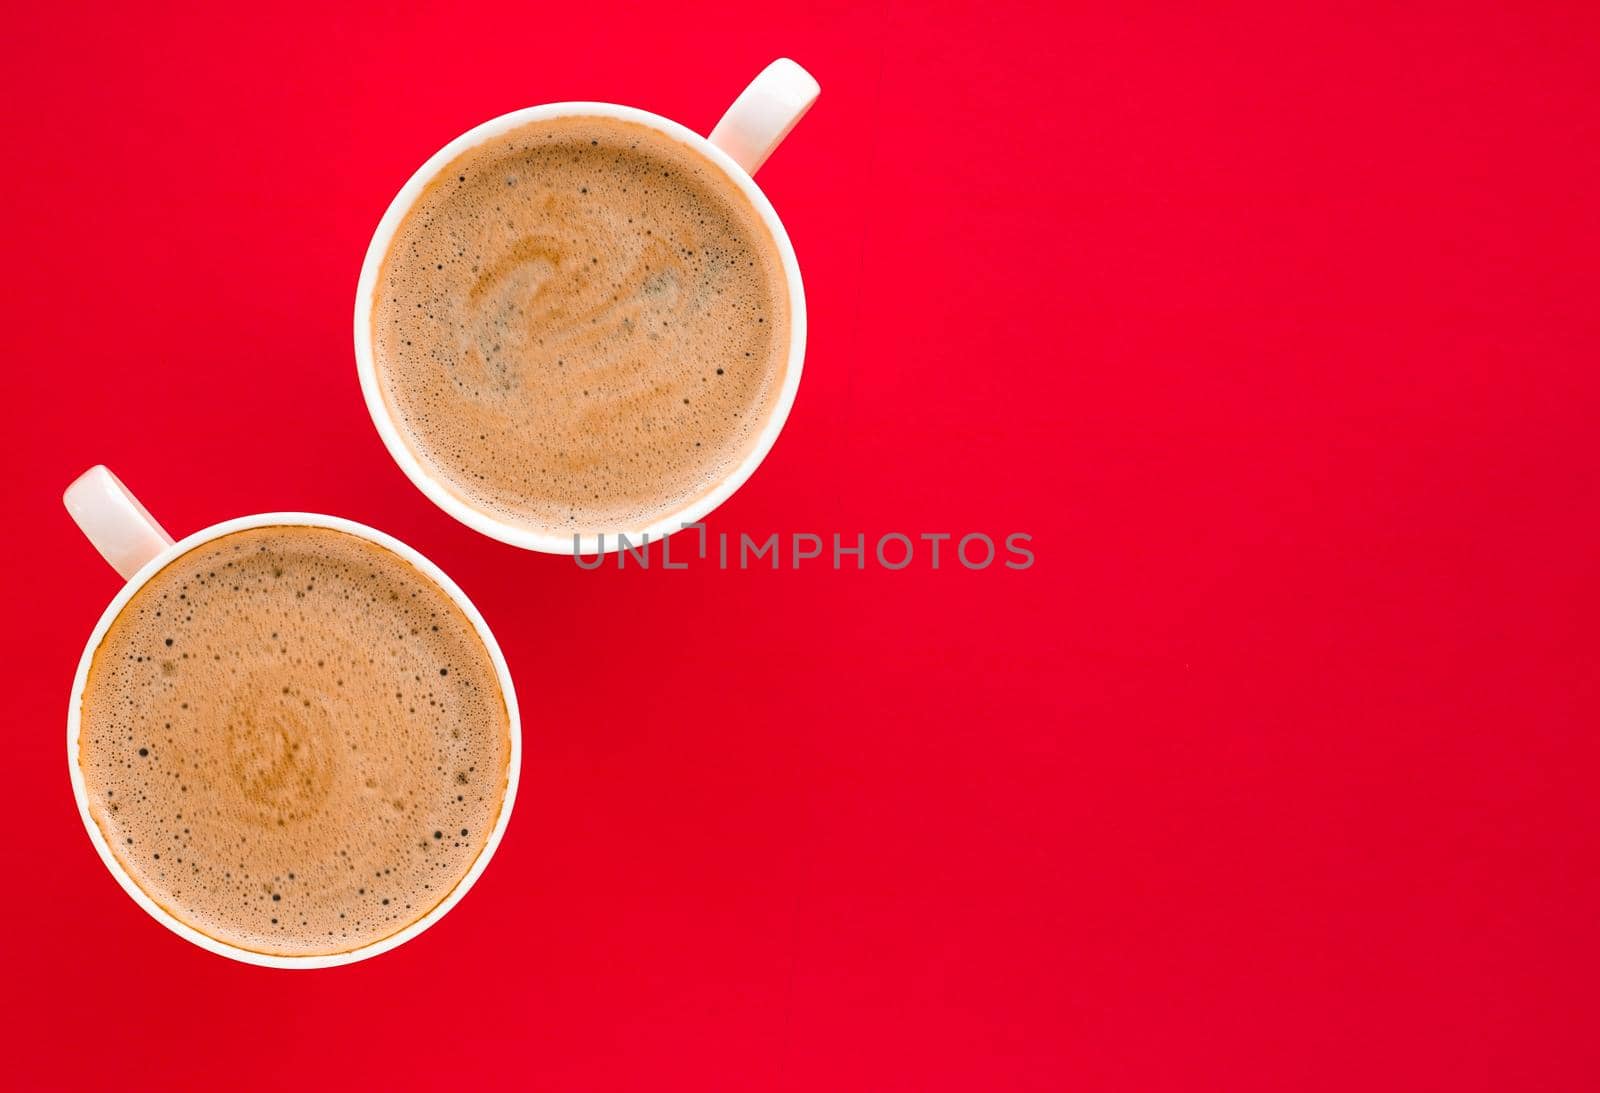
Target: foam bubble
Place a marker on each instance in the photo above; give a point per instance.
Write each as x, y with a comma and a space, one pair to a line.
581, 325
273, 728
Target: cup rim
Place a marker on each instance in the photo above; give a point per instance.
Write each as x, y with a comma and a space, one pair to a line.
476, 518
429, 570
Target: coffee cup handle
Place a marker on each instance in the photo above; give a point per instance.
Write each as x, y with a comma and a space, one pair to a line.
764, 113
114, 521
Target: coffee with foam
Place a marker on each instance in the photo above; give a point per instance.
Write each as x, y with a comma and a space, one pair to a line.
581, 325
294, 741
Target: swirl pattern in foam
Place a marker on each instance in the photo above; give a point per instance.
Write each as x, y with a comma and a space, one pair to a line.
581, 325
294, 741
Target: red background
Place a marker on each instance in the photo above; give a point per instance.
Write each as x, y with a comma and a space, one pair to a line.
1274, 324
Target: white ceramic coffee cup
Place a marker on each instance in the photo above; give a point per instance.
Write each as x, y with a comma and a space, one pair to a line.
753, 126
137, 547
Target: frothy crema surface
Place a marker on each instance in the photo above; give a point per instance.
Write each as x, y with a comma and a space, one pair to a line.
294, 741
581, 325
